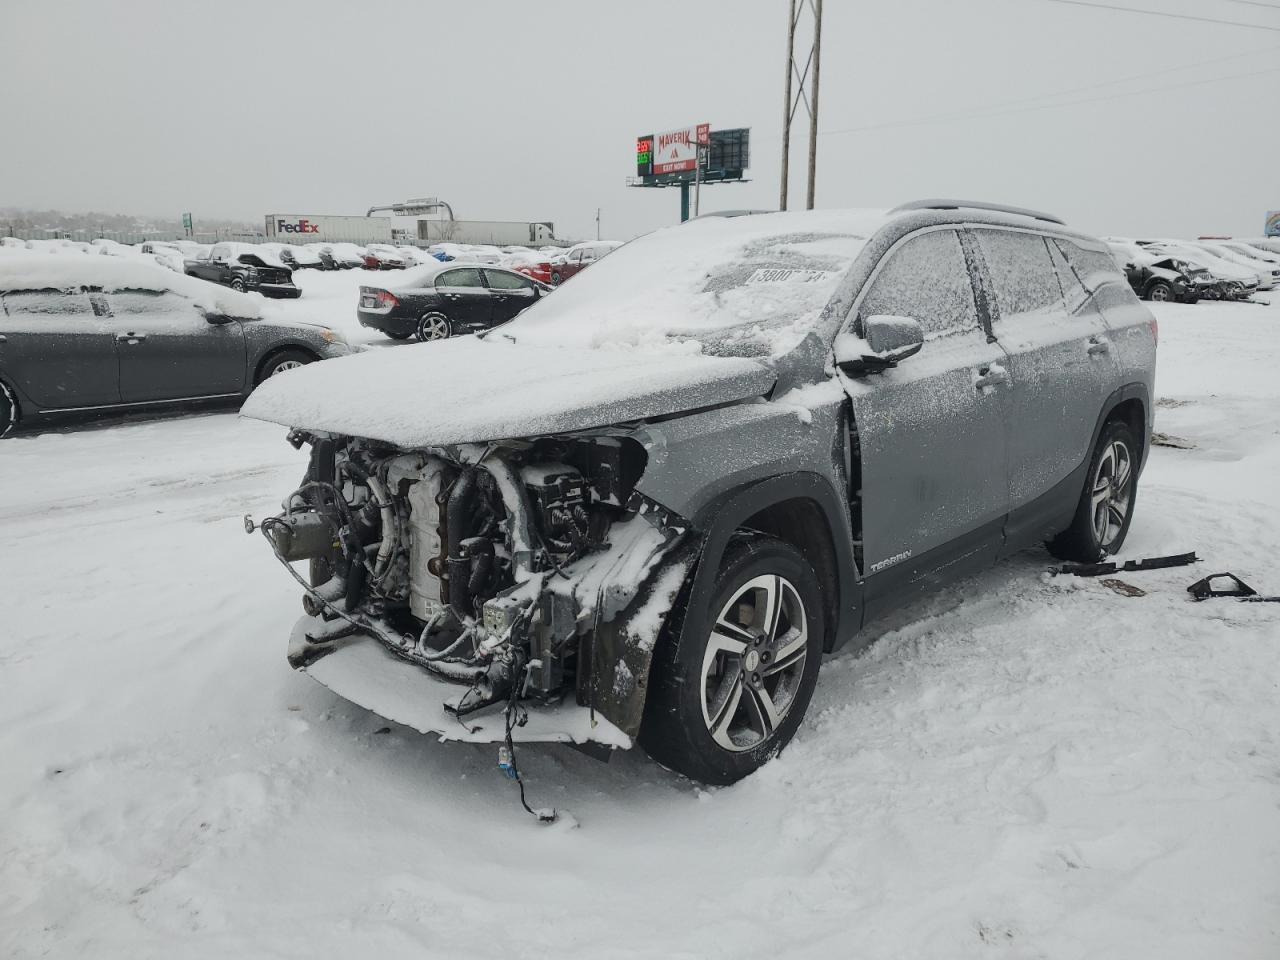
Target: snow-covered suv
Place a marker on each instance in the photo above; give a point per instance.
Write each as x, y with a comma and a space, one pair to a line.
646, 508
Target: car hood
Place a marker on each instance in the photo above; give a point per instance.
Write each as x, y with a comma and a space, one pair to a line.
474, 390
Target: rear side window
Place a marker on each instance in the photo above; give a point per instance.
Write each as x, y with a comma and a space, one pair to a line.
1022, 272
498, 280
1094, 267
926, 279
459, 278
49, 305
154, 305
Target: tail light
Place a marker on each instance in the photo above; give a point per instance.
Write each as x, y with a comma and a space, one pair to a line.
1155, 330
387, 300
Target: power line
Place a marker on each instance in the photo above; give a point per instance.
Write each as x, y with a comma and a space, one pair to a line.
987, 113
1257, 3
1173, 16
1037, 100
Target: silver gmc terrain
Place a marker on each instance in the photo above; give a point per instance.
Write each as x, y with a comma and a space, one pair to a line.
645, 509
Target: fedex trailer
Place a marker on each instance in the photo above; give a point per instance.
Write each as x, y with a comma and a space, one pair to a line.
311, 228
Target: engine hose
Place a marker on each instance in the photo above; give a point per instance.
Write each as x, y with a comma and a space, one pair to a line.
450, 670
382, 562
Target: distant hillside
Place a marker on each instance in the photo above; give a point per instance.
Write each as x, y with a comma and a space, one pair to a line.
14, 219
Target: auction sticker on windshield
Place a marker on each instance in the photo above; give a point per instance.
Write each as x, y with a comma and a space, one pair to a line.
780, 275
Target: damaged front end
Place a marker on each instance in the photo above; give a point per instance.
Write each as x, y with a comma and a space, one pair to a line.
483, 592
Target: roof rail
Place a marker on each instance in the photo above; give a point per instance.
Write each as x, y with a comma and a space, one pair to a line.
976, 205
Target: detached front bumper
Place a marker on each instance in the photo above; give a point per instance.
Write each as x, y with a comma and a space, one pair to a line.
278, 290
360, 669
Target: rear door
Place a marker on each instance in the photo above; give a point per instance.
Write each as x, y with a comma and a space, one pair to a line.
932, 431
465, 297
1063, 366
56, 351
169, 351
509, 293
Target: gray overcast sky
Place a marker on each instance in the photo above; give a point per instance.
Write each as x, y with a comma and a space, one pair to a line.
512, 109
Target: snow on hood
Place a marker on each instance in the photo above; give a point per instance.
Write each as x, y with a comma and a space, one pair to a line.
472, 390
37, 271
731, 286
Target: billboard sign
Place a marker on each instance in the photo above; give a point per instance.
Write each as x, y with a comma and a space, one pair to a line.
1273, 224
677, 150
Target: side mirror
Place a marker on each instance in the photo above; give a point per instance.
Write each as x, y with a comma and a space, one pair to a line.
218, 319
887, 340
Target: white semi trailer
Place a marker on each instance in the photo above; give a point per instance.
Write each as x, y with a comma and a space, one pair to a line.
313, 228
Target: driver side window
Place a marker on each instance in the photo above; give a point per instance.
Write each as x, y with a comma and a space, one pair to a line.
926, 278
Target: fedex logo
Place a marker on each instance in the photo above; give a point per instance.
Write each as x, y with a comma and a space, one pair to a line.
302, 226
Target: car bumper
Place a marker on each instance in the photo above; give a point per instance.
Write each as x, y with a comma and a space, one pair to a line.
387, 323
278, 290
360, 669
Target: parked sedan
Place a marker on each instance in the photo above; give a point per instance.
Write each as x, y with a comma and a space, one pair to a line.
244, 266
382, 256
434, 303
342, 256
84, 335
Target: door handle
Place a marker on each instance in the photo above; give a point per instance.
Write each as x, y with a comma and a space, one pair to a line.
1098, 346
130, 337
990, 376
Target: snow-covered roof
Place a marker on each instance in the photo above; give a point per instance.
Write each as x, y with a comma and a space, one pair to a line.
35, 271
745, 286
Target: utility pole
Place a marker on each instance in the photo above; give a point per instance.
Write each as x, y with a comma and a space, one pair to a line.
793, 99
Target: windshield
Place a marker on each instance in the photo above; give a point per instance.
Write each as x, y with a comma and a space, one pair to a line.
745, 287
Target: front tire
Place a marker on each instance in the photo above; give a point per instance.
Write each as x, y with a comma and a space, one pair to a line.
1160, 292
8, 410
282, 361
732, 681
1105, 511
237, 285
434, 326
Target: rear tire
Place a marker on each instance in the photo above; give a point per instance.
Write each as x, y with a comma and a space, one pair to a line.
282, 361
1105, 511
555, 277
434, 326
729, 688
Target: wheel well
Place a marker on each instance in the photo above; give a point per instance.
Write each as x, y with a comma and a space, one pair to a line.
802, 523
1134, 414
271, 355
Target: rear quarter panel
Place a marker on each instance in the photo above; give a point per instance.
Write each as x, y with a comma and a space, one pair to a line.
1133, 334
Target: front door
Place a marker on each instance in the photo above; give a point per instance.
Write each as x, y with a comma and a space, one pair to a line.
1063, 365
510, 293
465, 298
931, 433
169, 351
57, 352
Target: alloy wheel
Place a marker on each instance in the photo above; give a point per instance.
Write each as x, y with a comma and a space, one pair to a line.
754, 662
433, 327
1160, 293
1112, 493
284, 365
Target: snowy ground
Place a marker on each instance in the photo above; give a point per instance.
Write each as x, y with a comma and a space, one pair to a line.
1023, 767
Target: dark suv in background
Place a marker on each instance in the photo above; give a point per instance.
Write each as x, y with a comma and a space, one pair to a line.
242, 267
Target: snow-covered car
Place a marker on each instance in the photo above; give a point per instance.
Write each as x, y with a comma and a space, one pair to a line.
578, 257
644, 510
1268, 273
342, 256
1162, 278
383, 256
300, 257
86, 335
1234, 282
